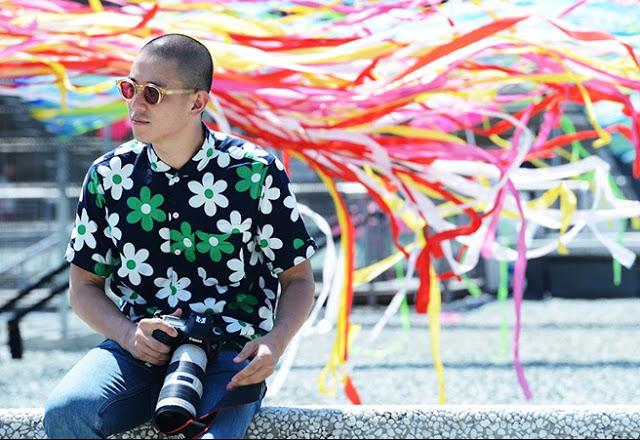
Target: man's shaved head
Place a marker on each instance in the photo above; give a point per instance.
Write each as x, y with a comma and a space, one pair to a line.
193, 60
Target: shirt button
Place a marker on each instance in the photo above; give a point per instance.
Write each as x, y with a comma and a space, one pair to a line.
177, 252
175, 215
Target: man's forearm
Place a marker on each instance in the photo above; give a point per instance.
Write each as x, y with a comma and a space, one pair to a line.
95, 308
293, 309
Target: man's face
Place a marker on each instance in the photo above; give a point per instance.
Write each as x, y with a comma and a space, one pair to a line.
166, 120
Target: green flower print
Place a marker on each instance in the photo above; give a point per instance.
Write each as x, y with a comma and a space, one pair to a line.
214, 245
146, 208
244, 302
184, 241
95, 187
104, 265
252, 178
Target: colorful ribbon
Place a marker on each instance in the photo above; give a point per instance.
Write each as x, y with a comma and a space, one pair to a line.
443, 112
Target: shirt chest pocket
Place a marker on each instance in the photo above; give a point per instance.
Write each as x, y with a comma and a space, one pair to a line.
220, 257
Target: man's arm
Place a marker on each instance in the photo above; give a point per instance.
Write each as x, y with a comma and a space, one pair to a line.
294, 305
90, 302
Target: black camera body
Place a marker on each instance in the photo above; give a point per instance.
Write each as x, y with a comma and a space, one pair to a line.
197, 344
196, 329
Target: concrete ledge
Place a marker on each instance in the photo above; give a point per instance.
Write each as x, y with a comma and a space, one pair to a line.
429, 421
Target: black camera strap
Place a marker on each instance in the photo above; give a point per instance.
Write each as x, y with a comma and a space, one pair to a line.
197, 427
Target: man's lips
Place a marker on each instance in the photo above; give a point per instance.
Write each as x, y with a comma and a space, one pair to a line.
138, 121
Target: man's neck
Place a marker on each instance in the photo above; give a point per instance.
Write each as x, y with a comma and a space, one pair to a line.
178, 150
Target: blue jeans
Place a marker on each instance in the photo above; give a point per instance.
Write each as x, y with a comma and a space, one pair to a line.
109, 391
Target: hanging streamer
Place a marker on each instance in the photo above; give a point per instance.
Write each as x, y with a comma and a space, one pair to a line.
444, 134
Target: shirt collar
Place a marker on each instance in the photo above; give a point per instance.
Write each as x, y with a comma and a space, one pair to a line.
188, 168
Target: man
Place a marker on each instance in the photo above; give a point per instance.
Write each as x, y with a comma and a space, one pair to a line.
180, 220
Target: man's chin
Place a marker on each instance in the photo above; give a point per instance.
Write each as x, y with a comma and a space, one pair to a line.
140, 136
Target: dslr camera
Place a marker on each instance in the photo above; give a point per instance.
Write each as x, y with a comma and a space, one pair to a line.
197, 343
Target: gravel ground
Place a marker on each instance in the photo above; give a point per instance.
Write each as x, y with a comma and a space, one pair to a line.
574, 352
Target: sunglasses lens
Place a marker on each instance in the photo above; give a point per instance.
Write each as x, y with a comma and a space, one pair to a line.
127, 89
151, 95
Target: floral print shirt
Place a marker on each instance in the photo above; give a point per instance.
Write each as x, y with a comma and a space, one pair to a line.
211, 237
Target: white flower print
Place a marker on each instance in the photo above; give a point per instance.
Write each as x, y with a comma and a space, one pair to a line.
165, 234
267, 242
237, 266
70, 253
236, 325
279, 164
269, 193
237, 152
208, 194
133, 264
223, 159
133, 146
309, 253
210, 281
116, 177
83, 232
235, 223
256, 253
130, 296
266, 313
204, 155
173, 288
173, 178
206, 281
156, 163
209, 304
250, 150
132, 314
291, 203
274, 269
219, 135
107, 260
207, 153
112, 231
268, 292
120, 150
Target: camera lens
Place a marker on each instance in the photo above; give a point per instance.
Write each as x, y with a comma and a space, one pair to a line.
182, 388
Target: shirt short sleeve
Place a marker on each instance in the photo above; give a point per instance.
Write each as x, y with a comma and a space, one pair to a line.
91, 246
281, 233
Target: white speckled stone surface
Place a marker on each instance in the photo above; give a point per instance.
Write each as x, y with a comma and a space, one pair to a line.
429, 421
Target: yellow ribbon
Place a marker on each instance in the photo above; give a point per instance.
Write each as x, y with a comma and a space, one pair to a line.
568, 202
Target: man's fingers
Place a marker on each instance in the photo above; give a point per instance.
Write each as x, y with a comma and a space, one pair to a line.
149, 325
256, 371
247, 371
246, 352
156, 345
151, 356
167, 328
256, 377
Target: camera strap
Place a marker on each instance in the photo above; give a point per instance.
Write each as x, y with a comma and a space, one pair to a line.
197, 427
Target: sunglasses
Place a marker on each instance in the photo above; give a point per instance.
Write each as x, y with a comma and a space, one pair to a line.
151, 93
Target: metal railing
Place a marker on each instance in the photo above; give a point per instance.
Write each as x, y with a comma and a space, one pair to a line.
13, 323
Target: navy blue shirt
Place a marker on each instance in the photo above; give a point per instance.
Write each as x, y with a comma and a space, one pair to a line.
210, 237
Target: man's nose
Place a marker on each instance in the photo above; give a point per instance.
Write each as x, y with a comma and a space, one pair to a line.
138, 102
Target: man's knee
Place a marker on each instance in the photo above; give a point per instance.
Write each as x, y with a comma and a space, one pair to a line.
65, 417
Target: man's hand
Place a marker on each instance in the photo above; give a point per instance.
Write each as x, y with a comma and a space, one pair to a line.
142, 345
265, 352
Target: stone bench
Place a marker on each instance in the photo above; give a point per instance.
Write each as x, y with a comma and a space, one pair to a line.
377, 421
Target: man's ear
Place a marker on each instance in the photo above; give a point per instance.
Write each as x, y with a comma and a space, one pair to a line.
200, 103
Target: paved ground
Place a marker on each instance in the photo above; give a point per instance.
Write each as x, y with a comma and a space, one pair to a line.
573, 352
